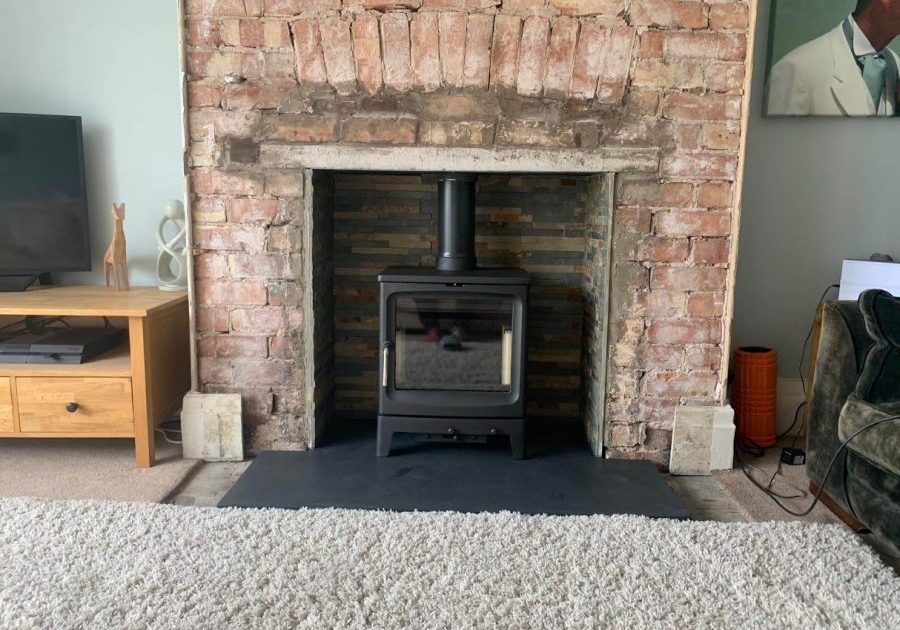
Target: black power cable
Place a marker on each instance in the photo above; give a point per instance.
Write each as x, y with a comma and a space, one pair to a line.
31, 324
787, 431
800, 372
809, 336
821, 489
758, 451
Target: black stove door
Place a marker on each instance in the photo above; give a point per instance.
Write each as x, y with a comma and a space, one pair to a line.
452, 351
454, 343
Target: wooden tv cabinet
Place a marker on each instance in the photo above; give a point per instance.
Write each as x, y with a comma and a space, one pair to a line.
122, 394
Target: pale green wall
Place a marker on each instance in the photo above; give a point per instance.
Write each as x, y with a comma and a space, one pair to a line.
816, 191
116, 64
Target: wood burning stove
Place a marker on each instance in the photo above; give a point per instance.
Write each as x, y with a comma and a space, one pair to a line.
453, 338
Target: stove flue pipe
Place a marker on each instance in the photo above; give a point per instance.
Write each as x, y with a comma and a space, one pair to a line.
456, 222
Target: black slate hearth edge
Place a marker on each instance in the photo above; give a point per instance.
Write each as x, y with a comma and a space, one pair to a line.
559, 477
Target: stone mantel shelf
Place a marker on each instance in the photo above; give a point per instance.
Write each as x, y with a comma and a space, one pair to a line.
437, 159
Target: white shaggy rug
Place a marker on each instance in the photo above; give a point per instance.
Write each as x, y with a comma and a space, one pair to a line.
119, 565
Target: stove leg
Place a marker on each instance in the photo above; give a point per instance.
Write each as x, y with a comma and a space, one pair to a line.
517, 443
383, 440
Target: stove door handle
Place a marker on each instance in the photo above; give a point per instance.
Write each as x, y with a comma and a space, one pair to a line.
385, 363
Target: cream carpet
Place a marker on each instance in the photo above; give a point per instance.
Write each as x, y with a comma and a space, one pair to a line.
791, 482
117, 565
89, 469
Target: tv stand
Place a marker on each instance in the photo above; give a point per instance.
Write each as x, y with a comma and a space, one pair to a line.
9, 284
124, 393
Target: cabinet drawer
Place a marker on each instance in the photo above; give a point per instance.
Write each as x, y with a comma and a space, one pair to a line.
75, 405
6, 408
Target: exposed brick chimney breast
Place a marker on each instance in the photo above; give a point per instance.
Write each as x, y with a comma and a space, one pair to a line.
560, 75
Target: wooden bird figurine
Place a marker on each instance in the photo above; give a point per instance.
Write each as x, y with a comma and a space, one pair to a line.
115, 257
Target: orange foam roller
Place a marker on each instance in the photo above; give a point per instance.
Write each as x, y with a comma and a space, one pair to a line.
753, 394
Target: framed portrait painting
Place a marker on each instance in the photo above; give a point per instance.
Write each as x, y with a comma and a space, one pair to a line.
834, 58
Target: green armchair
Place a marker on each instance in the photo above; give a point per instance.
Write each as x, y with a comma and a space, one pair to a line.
857, 382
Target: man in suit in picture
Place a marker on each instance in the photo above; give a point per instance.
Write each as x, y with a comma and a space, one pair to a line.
849, 71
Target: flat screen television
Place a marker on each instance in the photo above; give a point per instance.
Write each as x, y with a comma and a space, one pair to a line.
43, 200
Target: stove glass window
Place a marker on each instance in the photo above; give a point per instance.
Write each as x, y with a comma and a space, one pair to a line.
459, 342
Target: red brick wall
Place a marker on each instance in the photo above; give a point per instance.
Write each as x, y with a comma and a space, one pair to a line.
559, 74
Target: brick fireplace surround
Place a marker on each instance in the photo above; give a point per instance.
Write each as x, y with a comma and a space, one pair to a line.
651, 93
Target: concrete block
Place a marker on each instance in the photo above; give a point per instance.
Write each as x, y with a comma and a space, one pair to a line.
702, 440
211, 427
722, 451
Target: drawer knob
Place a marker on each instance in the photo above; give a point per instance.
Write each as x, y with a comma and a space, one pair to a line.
72, 407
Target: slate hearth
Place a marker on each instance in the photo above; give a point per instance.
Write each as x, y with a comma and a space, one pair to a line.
560, 477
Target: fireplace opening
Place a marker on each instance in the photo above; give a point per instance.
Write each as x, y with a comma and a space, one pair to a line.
484, 253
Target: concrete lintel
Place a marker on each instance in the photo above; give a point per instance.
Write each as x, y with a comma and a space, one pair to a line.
437, 159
